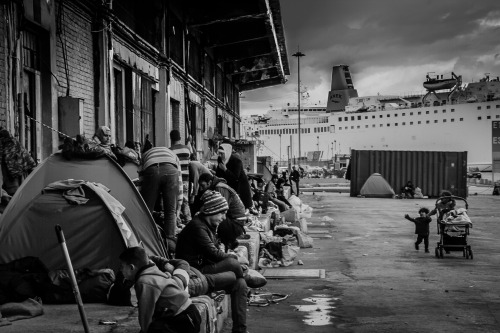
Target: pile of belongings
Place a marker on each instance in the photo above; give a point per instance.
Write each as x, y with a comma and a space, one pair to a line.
287, 233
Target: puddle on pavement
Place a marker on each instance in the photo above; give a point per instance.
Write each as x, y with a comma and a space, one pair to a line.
318, 313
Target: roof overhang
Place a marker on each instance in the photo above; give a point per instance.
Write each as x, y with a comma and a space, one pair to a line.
245, 37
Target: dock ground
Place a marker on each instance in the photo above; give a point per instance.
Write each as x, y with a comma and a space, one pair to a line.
375, 279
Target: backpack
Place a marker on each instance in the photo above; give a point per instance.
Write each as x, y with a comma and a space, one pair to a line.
208, 313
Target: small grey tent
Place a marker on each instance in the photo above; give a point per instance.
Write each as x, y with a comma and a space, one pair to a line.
28, 198
377, 187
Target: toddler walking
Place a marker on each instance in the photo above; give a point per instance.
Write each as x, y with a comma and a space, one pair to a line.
421, 227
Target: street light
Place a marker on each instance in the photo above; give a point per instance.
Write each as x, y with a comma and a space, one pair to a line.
298, 54
280, 147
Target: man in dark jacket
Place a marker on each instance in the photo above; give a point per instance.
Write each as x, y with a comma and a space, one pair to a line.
295, 177
197, 244
232, 226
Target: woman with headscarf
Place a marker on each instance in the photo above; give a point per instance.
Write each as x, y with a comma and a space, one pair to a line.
230, 167
17, 162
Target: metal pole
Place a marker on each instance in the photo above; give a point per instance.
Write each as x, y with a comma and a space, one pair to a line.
280, 148
298, 54
62, 242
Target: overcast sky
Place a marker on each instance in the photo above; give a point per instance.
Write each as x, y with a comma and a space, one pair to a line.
389, 45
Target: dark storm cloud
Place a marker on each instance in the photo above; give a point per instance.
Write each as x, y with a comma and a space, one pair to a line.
399, 39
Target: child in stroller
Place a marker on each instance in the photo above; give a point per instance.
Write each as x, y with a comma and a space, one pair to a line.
452, 224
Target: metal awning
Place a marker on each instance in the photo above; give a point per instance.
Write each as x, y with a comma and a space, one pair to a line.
246, 38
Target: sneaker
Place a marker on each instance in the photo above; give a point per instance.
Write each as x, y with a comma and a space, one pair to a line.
416, 246
426, 250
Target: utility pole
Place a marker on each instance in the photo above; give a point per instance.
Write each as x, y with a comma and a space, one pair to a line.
298, 54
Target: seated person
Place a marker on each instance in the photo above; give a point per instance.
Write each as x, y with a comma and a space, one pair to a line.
198, 245
232, 226
164, 305
408, 191
281, 202
284, 181
260, 197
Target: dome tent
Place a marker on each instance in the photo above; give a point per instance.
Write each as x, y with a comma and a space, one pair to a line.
377, 187
18, 225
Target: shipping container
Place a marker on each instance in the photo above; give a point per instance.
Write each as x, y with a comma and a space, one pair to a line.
431, 171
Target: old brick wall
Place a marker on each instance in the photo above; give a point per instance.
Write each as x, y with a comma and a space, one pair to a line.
76, 37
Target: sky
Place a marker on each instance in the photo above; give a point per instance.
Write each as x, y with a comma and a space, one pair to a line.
389, 46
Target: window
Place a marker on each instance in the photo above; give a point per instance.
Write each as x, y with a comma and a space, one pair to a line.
452, 110
411, 122
444, 120
419, 122
404, 114
435, 111
359, 117
358, 126
419, 113
381, 125
340, 118
452, 120
380, 116
427, 121
488, 117
395, 115
352, 117
366, 126
388, 115
411, 113
461, 119
488, 106
479, 108
404, 123
352, 127
366, 117
395, 124
435, 121
142, 116
444, 111
373, 117
478, 118
426, 112
345, 118
497, 116
373, 125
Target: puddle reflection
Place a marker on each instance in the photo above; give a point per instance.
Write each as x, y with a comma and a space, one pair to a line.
318, 313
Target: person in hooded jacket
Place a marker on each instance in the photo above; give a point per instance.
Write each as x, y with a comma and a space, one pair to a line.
230, 168
232, 226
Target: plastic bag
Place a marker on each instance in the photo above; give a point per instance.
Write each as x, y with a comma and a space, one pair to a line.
254, 279
290, 252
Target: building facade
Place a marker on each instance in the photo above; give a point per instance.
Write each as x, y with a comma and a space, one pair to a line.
142, 68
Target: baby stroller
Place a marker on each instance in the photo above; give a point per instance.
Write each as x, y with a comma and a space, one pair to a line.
453, 226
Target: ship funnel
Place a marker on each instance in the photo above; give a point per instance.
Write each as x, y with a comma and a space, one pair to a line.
342, 89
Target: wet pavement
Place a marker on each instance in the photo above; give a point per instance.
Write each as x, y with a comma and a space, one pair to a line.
375, 280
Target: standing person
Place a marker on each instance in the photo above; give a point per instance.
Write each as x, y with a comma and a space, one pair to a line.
275, 168
198, 245
183, 152
196, 169
295, 177
230, 167
164, 305
161, 178
16, 162
421, 227
233, 225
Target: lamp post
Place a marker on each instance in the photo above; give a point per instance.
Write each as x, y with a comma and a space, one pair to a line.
298, 54
280, 147
333, 156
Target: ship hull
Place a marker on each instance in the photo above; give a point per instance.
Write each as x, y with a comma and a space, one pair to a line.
460, 127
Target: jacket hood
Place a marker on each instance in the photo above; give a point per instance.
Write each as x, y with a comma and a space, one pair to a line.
228, 149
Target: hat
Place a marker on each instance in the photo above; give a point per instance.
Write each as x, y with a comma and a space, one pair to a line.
213, 203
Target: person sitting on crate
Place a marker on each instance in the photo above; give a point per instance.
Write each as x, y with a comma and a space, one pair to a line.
164, 305
280, 201
408, 191
197, 244
421, 227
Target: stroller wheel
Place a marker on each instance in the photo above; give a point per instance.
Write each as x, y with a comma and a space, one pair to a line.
437, 252
470, 253
441, 252
466, 254
465, 250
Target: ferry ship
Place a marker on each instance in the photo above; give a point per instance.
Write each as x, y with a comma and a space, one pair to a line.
450, 116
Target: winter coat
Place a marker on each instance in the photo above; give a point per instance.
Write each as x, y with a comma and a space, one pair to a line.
197, 244
421, 224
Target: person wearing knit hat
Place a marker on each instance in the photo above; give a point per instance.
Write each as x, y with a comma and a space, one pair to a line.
213, 203
197, 244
